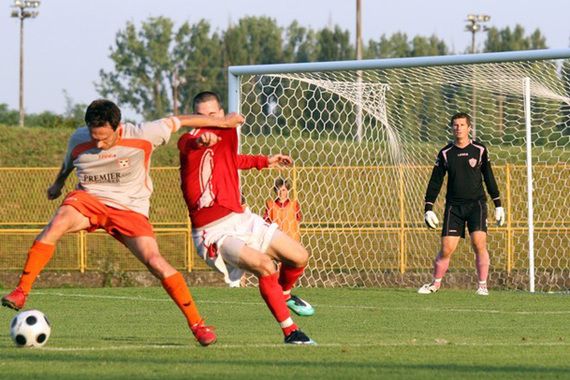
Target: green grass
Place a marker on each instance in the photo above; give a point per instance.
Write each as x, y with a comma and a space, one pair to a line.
364, 333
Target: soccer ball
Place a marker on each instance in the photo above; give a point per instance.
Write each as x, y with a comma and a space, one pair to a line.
30, 328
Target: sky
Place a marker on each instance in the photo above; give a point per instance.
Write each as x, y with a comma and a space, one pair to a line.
69, 42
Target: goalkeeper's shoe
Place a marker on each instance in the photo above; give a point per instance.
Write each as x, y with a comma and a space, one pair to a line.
428, 289
15, 300
205, 335
300, 306
482, 291
298, 337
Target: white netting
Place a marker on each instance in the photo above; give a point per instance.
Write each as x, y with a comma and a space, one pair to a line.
364, 143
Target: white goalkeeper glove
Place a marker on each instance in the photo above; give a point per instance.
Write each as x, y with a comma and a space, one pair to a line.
431, 219
500, 216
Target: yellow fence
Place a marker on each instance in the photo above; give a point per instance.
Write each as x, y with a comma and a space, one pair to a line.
393, 239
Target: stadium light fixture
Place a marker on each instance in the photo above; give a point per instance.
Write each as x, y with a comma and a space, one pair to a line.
474, 25
23, 9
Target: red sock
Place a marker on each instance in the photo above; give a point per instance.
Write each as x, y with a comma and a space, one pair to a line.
272, 294
177, 289
288, 276
38, 257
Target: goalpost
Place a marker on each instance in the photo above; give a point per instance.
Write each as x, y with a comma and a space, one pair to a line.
364, 136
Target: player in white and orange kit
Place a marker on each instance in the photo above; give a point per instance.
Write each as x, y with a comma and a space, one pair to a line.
228, 238
112, 162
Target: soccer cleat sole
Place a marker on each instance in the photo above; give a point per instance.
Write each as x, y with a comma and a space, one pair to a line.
9, 304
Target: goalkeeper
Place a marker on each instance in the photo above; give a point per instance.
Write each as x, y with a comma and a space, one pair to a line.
467, 164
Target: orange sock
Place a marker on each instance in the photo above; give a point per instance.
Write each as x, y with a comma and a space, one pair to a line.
38, 257
177, 289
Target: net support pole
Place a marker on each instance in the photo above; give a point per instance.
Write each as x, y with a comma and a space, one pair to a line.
529, 181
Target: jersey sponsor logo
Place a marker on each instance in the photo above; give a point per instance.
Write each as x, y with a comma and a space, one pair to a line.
123, 162
106, 155
462, 154
472, 162
101, 178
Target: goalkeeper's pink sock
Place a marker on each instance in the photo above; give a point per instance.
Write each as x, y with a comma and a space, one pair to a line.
272, 294
482, 261
440, 266
288, 276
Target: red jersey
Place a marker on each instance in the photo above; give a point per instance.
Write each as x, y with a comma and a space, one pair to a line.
209, 175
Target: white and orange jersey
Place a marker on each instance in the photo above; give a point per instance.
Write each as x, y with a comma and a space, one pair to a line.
119, 176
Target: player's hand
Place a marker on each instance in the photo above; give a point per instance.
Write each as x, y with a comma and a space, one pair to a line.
279, 160
208, 139
431, 219
54, 191
232, 120
500, 216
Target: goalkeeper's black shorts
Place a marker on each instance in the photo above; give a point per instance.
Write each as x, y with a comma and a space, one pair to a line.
456, 216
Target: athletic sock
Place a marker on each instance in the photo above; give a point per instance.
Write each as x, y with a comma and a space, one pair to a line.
440, 266
38, 257
272, 294
177, 289
482, 262
288, 276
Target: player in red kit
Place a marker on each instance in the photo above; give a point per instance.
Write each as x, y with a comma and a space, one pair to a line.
226, 237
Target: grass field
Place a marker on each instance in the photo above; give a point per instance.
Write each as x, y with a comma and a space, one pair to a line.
361, 333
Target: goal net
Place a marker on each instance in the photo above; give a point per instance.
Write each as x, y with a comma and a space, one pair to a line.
364, 136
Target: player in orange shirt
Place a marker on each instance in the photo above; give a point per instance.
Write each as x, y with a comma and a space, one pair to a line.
283, 211
112, 163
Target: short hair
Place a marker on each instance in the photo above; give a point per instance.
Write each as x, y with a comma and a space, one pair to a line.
101, 112
205, 96
460, 115
281, 182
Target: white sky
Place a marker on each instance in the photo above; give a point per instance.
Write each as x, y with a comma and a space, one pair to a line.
67, 45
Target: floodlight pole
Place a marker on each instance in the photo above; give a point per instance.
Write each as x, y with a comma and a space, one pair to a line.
474, 25
21, 11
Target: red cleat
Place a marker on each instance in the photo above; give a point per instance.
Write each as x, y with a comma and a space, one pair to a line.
205, 335
16, 299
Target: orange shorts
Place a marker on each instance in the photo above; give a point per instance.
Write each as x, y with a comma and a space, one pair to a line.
116, 222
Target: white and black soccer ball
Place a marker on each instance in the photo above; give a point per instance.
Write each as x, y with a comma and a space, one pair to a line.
30, 328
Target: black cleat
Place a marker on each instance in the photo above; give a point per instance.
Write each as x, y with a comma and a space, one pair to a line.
299, 337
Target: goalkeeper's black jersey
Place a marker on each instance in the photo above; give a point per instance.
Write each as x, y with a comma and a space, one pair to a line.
467, 168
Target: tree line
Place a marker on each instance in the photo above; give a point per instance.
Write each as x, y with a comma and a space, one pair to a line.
158, 67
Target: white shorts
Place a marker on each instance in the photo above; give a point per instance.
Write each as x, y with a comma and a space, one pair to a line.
219, 243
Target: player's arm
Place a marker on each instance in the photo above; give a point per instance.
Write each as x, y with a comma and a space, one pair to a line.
231, 120
492, 187
249, 161
54, 191
188, 142
433, 188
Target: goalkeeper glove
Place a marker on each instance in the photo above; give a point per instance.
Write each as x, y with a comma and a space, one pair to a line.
500, 216
431, 219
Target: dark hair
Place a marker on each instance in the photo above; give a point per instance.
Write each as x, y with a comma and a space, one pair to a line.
281, 182
460, 115
101, 112
205, 96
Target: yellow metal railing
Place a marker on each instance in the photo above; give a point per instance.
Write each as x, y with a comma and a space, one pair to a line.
376, 202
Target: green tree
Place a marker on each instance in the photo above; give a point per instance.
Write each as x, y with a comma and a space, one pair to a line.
253, 41
300, 44
142, 76
198, 63
508, 39
399, 46
334, 45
